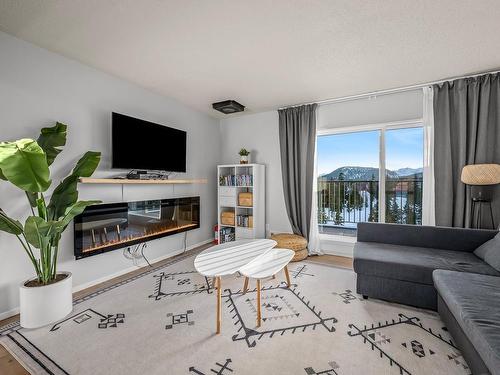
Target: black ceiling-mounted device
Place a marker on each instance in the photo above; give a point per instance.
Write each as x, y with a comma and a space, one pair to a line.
228, 106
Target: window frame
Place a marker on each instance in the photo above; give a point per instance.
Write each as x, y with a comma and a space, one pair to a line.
382, 128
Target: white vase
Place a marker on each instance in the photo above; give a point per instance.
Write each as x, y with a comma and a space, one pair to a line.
46, 304
243, 159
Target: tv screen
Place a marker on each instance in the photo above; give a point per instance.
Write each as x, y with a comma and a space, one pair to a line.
140, 144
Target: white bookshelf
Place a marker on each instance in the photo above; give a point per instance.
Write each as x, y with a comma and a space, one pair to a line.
227, 200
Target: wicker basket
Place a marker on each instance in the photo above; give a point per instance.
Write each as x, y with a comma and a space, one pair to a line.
245, 199
293, 242
227, 218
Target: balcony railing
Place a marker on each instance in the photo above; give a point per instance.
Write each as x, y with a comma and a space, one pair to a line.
345, 203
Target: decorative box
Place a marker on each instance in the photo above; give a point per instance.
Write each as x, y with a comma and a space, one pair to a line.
245, 199
227, 218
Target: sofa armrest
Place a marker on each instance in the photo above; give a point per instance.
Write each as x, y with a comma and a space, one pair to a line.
446, 238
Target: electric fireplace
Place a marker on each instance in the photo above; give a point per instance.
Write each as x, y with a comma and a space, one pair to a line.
105, 227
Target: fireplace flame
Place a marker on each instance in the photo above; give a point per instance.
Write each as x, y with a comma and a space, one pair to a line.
147, 234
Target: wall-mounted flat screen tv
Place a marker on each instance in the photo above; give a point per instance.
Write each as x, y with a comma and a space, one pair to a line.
140, 144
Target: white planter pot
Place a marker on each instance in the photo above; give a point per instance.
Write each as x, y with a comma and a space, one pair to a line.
47, 304
244, 159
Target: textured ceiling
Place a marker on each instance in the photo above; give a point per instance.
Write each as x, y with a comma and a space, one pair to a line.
265, 54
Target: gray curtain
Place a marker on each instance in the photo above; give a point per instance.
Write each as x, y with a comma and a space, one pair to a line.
466, 131
297, 130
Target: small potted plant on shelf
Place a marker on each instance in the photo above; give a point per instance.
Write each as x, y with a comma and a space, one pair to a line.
25, 163
244, 156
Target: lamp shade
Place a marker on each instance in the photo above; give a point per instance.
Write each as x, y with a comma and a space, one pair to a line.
481, 174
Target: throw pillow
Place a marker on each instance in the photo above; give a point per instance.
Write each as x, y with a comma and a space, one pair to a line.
490, 252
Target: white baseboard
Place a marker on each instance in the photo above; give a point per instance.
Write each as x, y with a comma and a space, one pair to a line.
337, 247
15, 311
8, 314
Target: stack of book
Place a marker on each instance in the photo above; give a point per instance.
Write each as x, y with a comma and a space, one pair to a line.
229, 180
236, 180
245, 221
244, 180
227, 235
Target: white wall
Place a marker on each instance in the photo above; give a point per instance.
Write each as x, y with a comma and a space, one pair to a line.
259, 132
38, 88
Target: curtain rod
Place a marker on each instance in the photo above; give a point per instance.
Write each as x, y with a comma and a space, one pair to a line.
392, 91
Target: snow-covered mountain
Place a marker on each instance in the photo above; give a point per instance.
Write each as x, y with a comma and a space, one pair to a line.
408, 171
369, 173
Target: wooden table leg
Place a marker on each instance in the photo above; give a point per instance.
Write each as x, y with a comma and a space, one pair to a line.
287, 275
245, 285
219, 304
258, 304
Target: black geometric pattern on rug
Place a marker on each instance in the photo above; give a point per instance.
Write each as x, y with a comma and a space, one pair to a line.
458, 359
417, 348
347, 296
111, 321
104, 321
250, 335
276, 304
14, 326
300, 271
177, 284
369, 335
220, 368
182, 318
330, 371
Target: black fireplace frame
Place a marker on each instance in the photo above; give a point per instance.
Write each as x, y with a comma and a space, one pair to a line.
122, 207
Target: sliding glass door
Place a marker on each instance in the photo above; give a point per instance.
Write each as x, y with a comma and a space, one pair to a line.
373, 175
404, 162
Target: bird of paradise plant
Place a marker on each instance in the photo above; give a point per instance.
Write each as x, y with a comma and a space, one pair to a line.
25, 164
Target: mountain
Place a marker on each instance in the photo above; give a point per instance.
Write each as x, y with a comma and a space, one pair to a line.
367, 173
408, 171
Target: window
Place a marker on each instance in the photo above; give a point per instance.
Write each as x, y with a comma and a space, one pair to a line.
370, 175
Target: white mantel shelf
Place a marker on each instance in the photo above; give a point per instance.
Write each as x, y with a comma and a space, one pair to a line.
87, 180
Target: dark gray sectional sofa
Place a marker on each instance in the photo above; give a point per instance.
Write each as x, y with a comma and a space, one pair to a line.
436, 268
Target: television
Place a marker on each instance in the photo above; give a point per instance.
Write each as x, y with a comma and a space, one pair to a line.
140, 144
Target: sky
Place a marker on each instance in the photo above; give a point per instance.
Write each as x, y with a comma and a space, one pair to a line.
404, 149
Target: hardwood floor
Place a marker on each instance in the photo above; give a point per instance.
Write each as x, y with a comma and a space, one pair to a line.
332, 260
10, 366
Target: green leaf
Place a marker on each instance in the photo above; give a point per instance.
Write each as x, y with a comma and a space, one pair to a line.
76, 209
10, 225
52, 139
64, 195
2, 177
24, 164
87, 164
39, 232
32, 198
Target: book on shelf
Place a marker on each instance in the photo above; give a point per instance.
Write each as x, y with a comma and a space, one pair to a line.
236, 180
227, 235
245, 221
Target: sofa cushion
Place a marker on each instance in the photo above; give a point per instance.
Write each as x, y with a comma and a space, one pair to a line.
474, 301
413, 264
490, 252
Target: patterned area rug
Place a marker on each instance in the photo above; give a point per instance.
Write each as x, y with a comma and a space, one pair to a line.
163, 322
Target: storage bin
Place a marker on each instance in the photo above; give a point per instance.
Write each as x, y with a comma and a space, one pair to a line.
227, 218
245, 199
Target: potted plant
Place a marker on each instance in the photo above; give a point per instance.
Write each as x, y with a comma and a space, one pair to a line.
244, 156
25, 163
